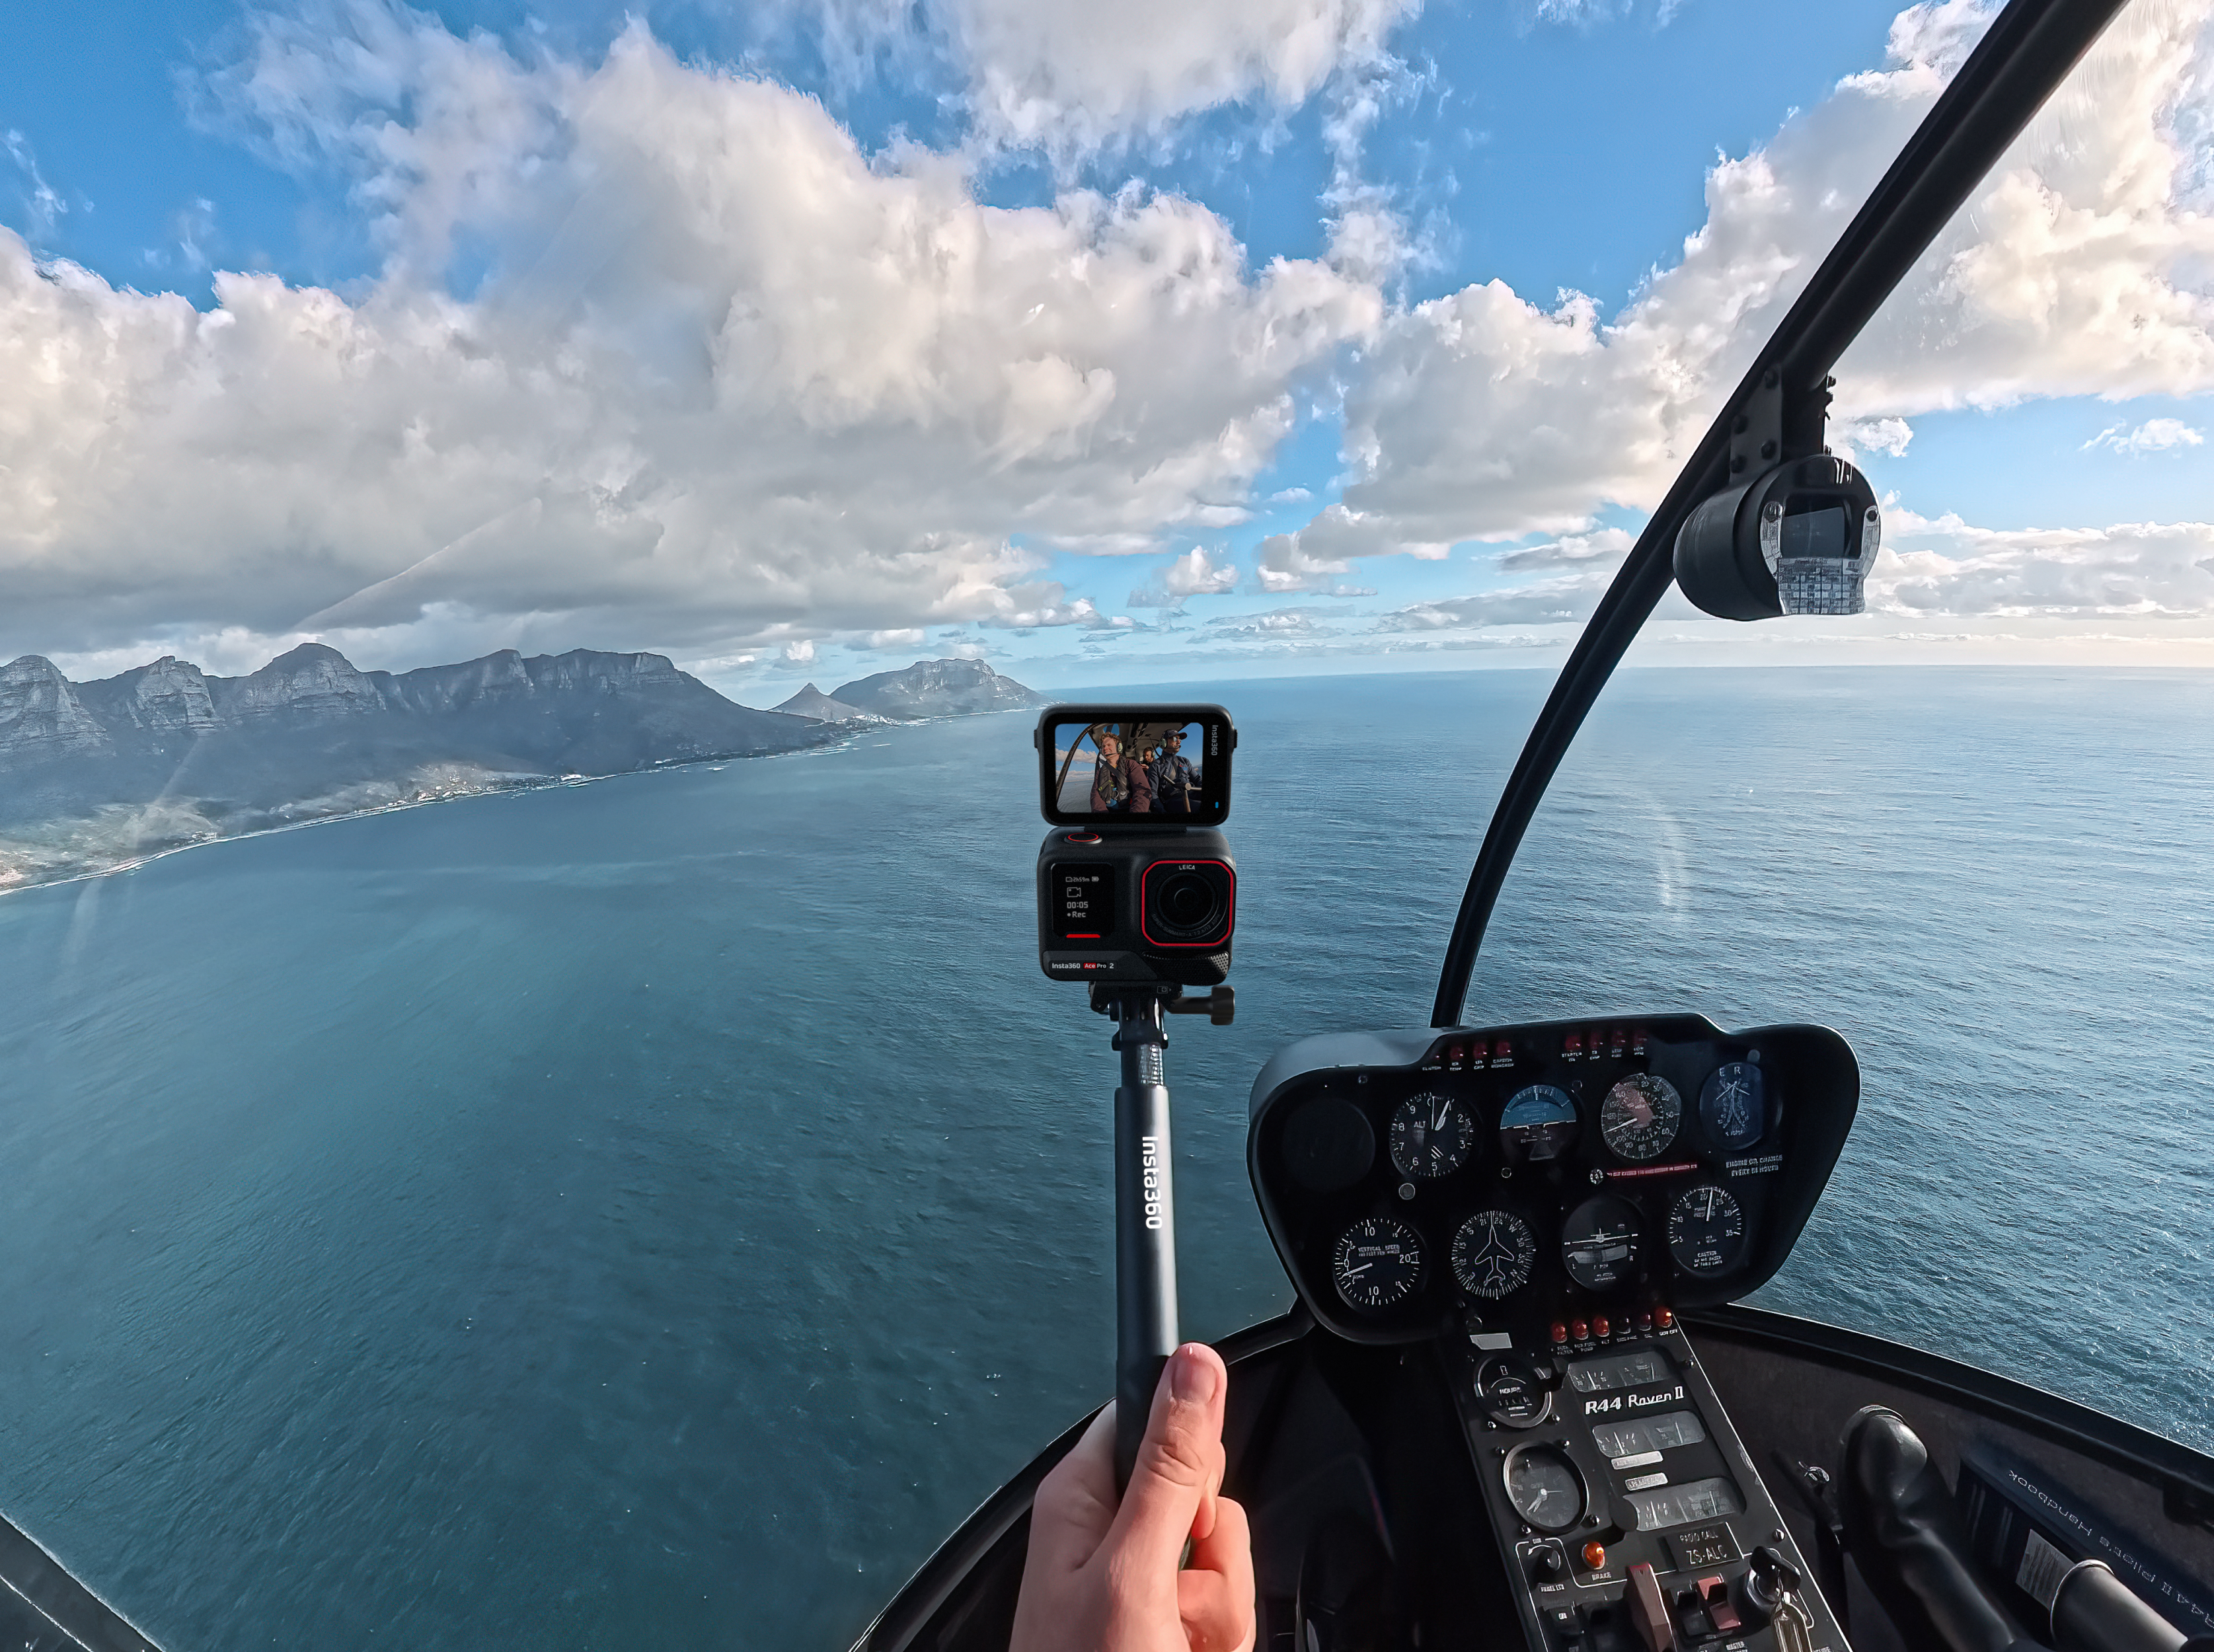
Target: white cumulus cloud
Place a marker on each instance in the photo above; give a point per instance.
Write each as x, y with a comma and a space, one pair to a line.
727, 378
1065, 75
1193, 574
2082, 267
2146, 571
2153, 436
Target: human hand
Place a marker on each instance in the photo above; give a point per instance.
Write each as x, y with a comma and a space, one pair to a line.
1100, 1578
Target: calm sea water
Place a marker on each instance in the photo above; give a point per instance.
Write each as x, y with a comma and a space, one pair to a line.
654, 1213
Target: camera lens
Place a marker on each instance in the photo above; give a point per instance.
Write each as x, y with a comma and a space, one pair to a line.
1186, 900
1188, 905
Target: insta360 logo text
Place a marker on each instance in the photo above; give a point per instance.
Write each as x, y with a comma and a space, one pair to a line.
1150, 1161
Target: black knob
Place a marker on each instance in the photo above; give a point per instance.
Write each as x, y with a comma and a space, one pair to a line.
1546, 1565
1769, 1578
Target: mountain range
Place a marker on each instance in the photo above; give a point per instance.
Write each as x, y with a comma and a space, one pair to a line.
101, 774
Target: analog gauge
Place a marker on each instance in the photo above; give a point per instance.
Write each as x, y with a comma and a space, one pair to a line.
1492, 1254
1640, 1115
1734, 1105
1706, 1231
1599, 1243
1545, 1487
1431, 1135
1378, 1264
1538, 1122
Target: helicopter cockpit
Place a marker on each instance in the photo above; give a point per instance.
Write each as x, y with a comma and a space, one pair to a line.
1520, 1392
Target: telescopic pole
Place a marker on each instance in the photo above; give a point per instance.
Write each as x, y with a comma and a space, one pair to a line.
1144, 1225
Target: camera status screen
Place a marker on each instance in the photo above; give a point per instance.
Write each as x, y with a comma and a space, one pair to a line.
1083, 901
1110, 768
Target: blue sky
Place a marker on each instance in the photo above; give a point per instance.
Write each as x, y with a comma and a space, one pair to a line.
767, 397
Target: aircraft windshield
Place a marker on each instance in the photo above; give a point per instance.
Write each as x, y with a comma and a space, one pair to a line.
530, 555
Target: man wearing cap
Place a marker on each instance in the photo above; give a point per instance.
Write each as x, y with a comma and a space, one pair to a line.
1174, 779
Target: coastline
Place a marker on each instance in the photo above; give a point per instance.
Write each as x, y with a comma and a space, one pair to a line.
497, 784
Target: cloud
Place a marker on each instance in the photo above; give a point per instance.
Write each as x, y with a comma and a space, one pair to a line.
1608, 544
1193, 574
726, 377
2144, 571
1557, 601
2078, 268
907, 637
1281, 624
2153, 436
1068, 76
36, 202
1311, 558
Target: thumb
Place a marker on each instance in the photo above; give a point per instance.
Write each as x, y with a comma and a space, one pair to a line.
1179, 1462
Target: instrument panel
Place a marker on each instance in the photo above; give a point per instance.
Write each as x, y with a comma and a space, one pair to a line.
1578, 1177
1539, 1200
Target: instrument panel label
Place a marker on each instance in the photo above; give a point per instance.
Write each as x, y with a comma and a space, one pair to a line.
1634, 1402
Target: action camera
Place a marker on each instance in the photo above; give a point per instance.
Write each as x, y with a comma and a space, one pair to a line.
1133, 885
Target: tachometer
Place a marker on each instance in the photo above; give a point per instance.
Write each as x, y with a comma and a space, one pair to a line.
1639, 1116
1538, 1122
1431, 1135
1378, 1263
1734, 1105
1543, 1485
1492, 1254
1599, 1243
1706, 1231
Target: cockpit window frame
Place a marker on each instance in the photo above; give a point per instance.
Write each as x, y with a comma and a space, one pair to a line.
2027, 51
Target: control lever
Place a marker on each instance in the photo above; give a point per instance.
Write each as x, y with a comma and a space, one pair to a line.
1648, 1610
1812, 1483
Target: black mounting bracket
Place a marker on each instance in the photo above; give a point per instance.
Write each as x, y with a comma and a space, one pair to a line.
1768, 426
1220, 1006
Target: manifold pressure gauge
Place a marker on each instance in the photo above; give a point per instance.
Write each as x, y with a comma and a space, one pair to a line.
1706, 1229
1378, 1264
1431, 1135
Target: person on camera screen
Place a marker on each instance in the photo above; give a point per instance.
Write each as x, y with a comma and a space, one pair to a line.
1176, 782
1120, 784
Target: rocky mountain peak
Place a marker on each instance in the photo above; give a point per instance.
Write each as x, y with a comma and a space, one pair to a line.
40, 716
812, 703
170, 695
313, 683
937, 687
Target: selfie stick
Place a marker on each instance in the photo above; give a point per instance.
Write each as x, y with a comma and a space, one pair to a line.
1145, 1201
1145, 1224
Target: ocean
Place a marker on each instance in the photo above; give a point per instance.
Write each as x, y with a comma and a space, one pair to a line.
657, 1211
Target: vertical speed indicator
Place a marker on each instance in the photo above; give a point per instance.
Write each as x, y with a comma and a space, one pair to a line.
1378, 1264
